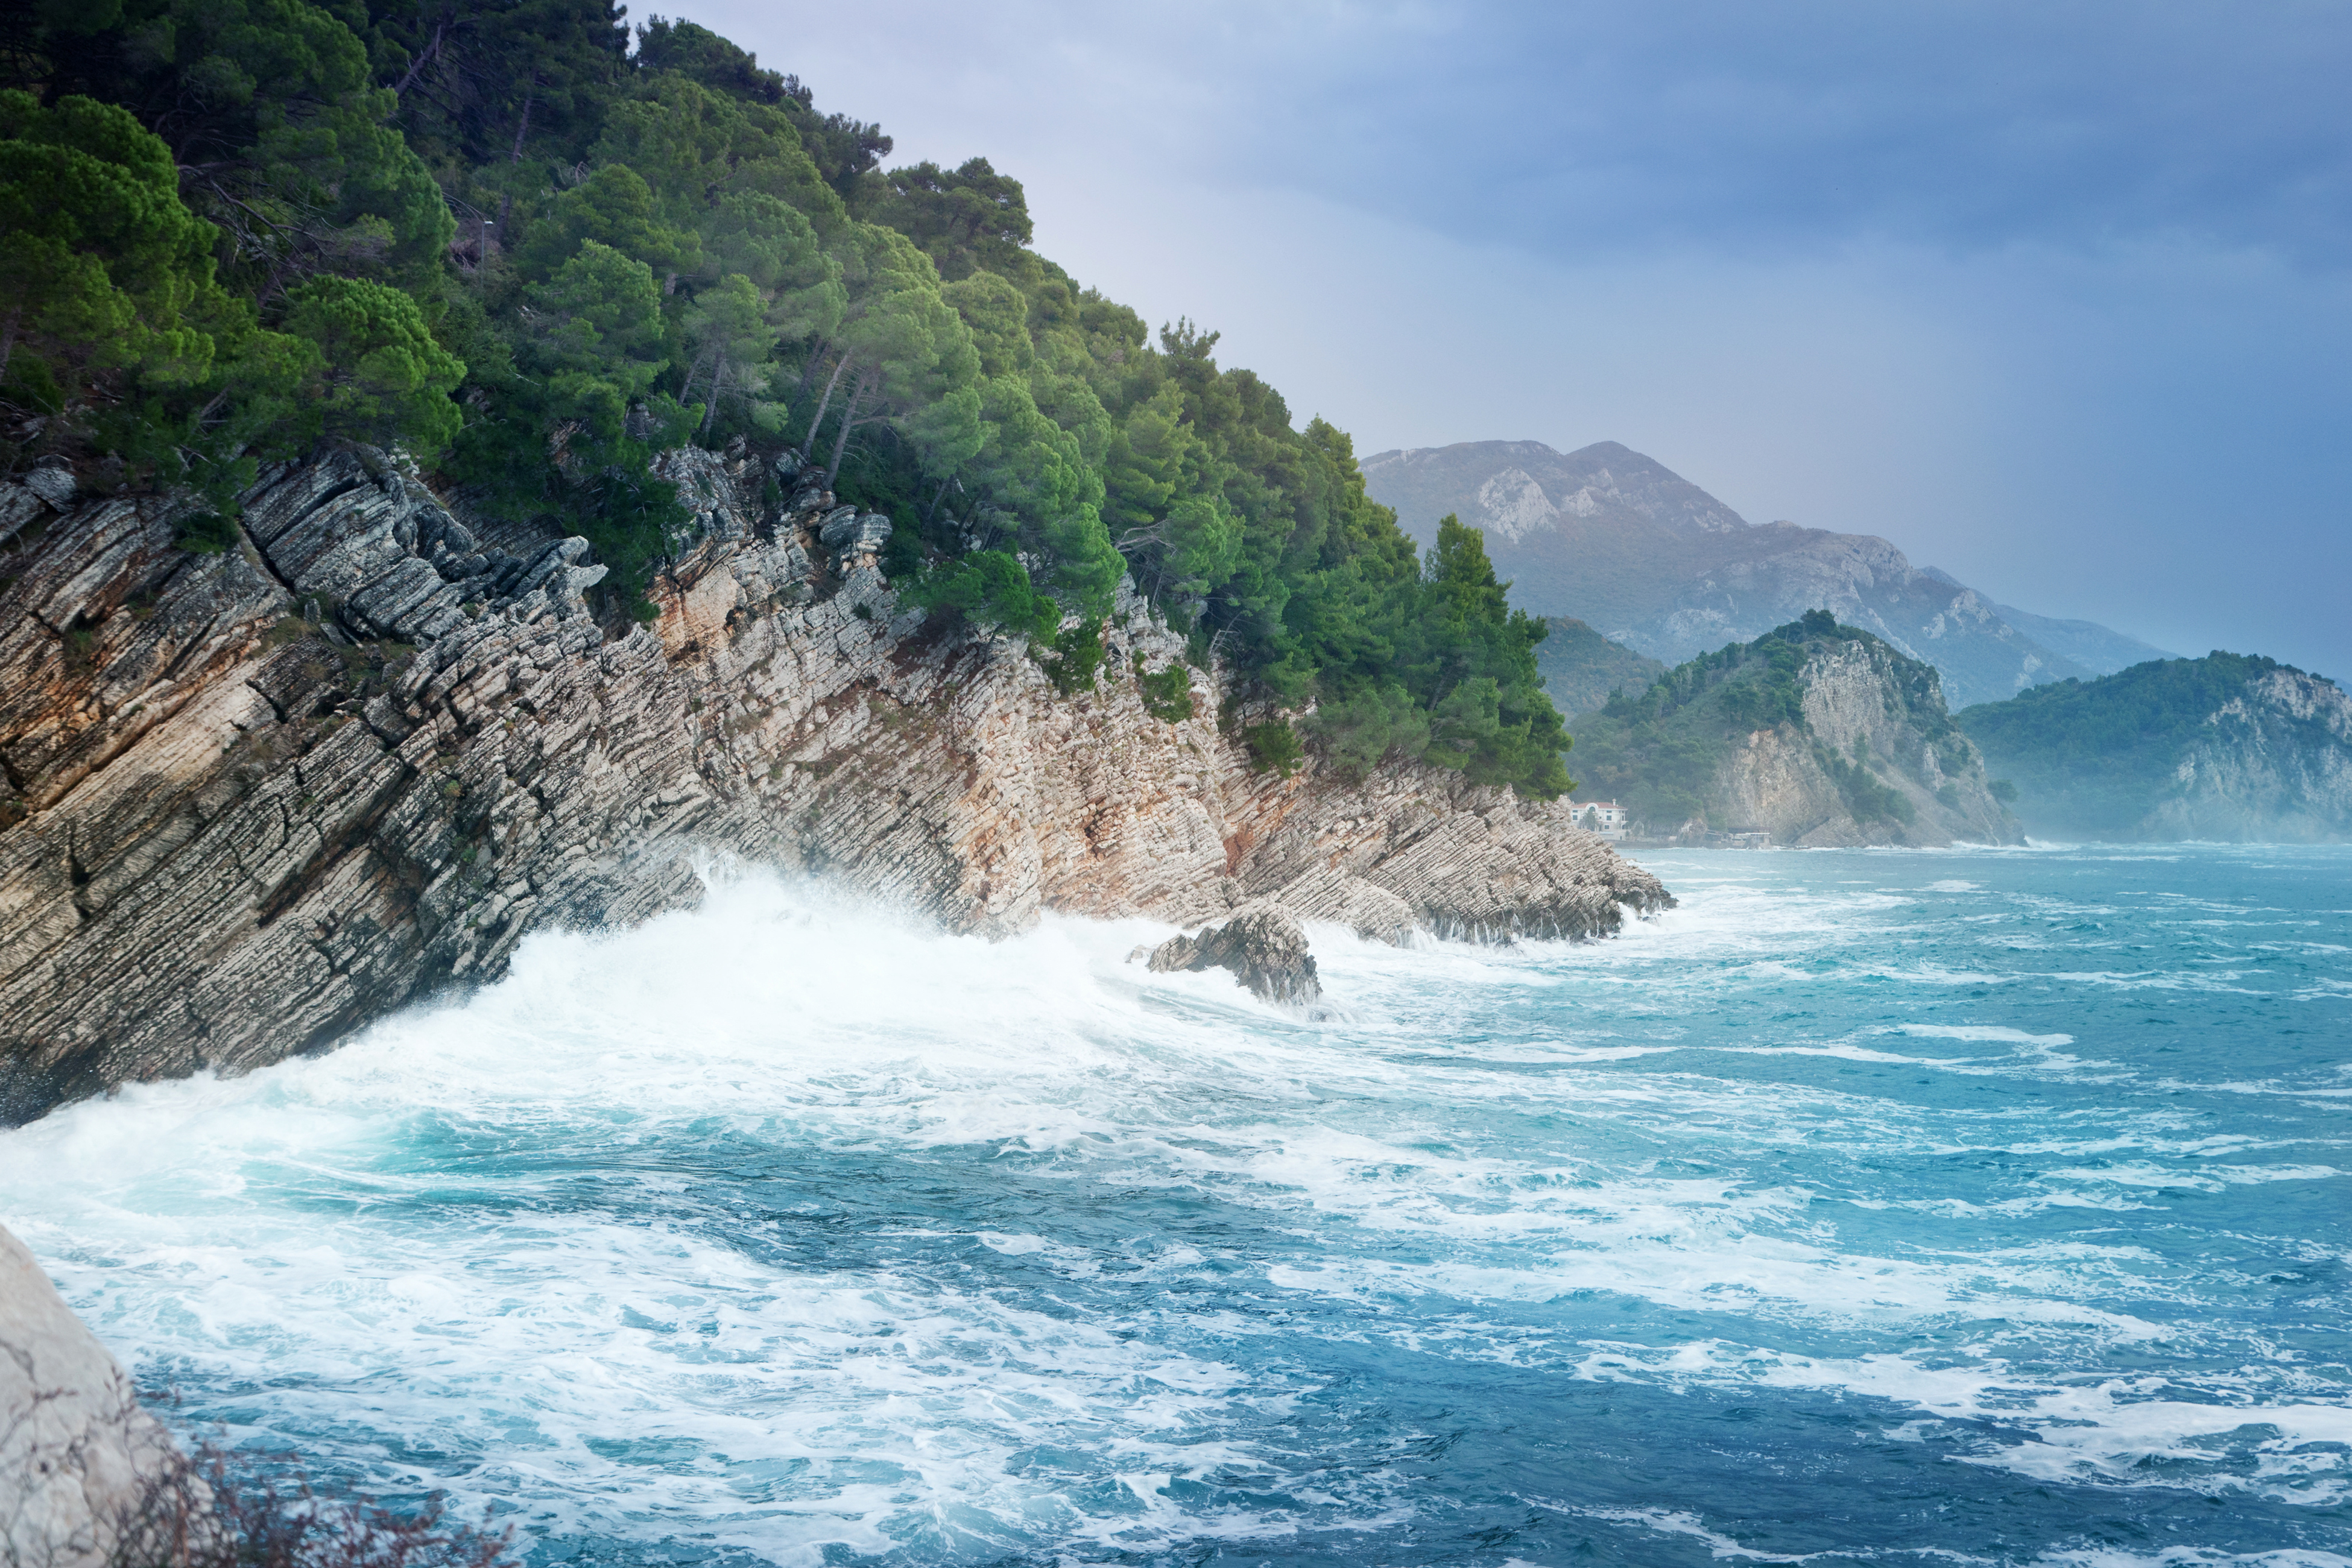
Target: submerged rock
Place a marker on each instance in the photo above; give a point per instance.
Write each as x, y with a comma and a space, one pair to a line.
1263, 945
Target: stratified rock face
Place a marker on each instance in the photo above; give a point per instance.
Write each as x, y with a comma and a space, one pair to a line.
2273, 765
1650, 560
259, 799
1263, 945
87, 1477
1464, 861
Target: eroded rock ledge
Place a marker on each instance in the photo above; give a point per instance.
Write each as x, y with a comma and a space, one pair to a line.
255, 799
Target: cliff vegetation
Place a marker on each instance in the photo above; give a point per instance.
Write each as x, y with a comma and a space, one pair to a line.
532, 248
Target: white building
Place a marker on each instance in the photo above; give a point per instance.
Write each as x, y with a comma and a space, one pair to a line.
1605, 818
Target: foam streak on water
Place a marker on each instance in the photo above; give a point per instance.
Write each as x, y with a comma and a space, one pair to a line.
1872, 1207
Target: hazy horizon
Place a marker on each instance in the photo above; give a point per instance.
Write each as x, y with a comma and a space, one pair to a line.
2055, 299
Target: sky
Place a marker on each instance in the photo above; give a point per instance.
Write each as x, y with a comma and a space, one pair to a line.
2057, 296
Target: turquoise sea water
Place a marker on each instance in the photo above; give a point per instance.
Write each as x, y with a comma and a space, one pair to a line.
1888, 1207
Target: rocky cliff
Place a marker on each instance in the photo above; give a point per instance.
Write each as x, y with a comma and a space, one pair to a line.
1816, 734
85, 1472
257, 797
1614, 538
2226, 747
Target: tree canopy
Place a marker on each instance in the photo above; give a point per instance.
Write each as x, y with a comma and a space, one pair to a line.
534, 247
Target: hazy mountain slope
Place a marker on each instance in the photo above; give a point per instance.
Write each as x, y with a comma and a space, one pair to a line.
2100, 649
2097, 648
1611, 537
1581, 668
2228, 746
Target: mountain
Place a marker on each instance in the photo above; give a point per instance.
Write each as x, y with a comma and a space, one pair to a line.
2227, 747
2093, 646
1581, 668
1615, 539
1815, 734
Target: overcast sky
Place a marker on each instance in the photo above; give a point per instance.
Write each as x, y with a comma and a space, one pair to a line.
2057, 296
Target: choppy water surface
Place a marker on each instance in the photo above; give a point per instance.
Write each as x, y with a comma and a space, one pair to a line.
1972, 1207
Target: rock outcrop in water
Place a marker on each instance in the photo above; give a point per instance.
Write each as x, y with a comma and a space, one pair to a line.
81, 1463
259, 798
1262, 945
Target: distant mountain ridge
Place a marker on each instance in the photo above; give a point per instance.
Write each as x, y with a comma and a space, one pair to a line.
1617, 540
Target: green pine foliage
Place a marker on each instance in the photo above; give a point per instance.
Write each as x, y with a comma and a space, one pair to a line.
534, 249
1166, 694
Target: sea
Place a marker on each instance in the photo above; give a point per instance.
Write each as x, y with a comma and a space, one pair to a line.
1873, 1207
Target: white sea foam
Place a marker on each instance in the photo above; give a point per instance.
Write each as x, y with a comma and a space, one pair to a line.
545, 1246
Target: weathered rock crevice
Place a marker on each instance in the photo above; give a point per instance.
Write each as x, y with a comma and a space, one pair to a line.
271, 793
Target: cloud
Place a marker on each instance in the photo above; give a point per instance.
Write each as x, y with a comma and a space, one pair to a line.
1601, 127
1728, 125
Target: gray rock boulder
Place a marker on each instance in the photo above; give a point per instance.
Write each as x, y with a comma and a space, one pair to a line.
1263, 945
54, 483
86, 1475
852, 533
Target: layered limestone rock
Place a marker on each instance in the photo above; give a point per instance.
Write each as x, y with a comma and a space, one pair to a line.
257, 798
1262, 945
87, 1477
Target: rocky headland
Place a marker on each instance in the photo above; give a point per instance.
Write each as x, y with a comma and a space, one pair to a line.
1817, 734
2227, 747
257, 797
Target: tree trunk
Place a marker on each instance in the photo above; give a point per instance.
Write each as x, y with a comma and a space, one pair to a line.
421, 60
523, 130
8, 338
717, 380
848, 423
693, 369
808, 442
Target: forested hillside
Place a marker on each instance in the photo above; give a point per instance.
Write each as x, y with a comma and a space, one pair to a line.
533, 247
1814, 733
1582, 670
2230, 746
